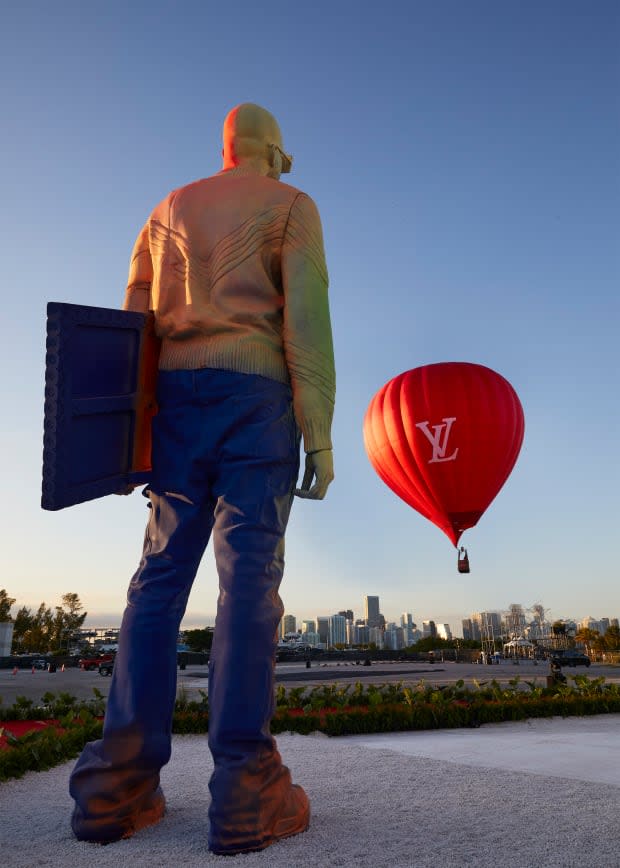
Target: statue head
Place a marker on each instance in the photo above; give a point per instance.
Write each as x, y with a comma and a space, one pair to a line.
252, 138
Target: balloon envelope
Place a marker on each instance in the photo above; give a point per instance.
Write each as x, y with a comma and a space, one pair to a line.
444, 438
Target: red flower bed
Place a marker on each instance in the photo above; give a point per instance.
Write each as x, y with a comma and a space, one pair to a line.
22, 727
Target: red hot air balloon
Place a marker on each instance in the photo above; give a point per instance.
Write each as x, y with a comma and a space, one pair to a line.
444, 438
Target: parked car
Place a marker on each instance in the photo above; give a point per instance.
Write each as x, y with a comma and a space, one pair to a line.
91, 663
569, 658
106, 667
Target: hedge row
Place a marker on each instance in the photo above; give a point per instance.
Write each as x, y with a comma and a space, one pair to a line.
328, 709
44, 749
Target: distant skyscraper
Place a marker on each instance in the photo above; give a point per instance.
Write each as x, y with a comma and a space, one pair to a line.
428, 629
514, 620
375, 634
443, 631
394, 637
322, 628
308, 627
590, 623
347, 613
407, 625
362, 634
337, 630
351, 631
371, 611
289, 624
486, 625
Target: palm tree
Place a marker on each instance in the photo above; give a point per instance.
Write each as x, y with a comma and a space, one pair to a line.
587, 637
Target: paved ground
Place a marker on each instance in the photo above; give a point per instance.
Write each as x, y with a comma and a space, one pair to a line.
194, 678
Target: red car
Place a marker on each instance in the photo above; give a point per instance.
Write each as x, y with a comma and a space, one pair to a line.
92, 663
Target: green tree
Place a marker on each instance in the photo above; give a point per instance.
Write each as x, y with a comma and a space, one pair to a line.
5, 606
67, 621
22, 623
587, 637
433, 643
38, 637
48, 630
199, 640
612, 638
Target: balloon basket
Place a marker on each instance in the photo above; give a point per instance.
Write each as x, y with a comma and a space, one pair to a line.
463, 561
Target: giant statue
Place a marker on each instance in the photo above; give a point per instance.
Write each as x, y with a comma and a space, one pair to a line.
233, 269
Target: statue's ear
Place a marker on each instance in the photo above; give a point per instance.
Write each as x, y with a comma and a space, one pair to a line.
274, 159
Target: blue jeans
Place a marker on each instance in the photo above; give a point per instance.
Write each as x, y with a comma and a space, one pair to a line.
225, 461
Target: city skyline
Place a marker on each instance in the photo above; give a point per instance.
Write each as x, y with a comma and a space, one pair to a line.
465, 160
456, 625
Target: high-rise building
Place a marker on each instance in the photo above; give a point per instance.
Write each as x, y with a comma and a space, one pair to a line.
347, 613
372, 615
337, 630
408, 627
351, 631
322, 628
488, 625
470, 629
428, 629
288, 625
590, 623
362, 634
394, 637
514, 620
375, 635
443, 631
308, 627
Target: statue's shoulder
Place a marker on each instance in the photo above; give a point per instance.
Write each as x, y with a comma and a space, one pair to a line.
218, 187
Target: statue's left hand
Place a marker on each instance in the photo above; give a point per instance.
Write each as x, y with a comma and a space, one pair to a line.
319, 467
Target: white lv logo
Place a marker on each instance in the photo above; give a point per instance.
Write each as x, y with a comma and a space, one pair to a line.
439, 439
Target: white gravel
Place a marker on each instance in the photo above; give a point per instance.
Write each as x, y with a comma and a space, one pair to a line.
536, 793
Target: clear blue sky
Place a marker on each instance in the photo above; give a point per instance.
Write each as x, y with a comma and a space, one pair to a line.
465, 160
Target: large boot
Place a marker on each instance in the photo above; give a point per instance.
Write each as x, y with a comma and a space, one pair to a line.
254, 805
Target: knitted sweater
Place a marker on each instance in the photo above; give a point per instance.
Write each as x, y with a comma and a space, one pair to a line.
234, 269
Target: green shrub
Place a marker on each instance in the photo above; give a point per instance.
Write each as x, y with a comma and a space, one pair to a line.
330, 709
44, 749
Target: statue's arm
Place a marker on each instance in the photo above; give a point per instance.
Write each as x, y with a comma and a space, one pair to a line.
138, 291
307, 331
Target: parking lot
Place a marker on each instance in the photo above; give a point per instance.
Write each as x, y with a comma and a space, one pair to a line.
194, 679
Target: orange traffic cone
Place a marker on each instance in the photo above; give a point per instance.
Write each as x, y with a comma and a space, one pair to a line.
33, 670
15, 670
62, 668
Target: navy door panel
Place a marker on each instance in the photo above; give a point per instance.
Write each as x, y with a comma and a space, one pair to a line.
100, 378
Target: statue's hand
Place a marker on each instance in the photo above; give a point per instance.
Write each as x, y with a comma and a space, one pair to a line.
320, 467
